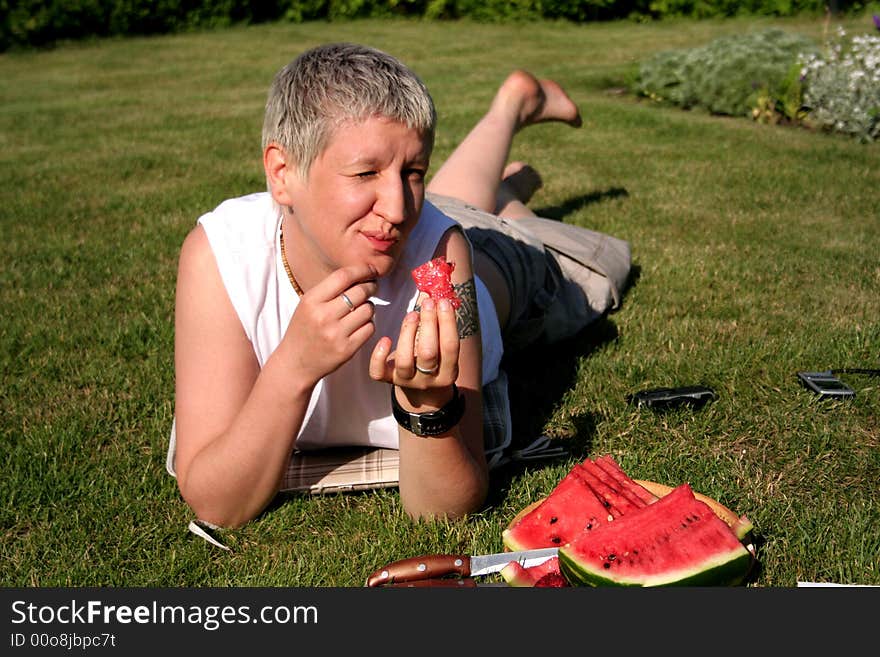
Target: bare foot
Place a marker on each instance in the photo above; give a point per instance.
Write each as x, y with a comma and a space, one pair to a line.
536, 101
521, 180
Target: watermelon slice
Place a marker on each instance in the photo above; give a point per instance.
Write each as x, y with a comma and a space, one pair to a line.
517, 575
617, 503
677, 540
434, 278
610, 466
570, 508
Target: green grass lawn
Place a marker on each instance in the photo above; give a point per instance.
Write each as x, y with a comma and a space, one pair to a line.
756, 252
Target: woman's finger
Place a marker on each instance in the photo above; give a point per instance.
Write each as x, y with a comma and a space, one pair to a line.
427, 347
404, 354
345, 280
354, 297
381, 366
449, 341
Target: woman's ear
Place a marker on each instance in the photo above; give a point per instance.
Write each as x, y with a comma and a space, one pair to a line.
280, 173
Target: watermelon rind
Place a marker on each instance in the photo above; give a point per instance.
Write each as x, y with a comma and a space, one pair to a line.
725, 569
743, 527
516, 575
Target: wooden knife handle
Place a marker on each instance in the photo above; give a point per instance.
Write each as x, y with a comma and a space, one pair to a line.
429, 566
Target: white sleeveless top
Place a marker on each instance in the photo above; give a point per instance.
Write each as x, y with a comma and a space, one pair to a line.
347, 407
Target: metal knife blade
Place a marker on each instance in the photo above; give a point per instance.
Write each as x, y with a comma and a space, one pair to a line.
492, 563
432, 566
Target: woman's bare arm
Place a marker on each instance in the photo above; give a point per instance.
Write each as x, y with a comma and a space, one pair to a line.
235, 423
446, 475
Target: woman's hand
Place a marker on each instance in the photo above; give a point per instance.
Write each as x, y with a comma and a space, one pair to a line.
332, 321
425, 363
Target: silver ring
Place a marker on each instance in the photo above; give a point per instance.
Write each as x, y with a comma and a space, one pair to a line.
425, 371
347, 301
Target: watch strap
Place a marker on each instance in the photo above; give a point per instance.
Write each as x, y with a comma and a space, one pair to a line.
432, 423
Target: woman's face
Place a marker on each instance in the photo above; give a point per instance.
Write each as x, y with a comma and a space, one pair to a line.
362, 197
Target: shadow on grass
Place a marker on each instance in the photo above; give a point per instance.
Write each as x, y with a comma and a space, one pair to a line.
539, 377
756, 570
558, 212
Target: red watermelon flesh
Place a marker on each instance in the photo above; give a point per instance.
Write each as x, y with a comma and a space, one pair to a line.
570, 508
435, 279
552, 580
612, 468
677, 540
618, 502
517, 575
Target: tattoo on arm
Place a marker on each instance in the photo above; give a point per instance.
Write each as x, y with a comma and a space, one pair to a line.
466, 315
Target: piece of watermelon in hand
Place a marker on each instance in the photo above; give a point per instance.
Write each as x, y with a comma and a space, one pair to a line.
434, 278
543, 575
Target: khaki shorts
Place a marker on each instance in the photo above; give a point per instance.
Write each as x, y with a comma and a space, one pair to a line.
561, 277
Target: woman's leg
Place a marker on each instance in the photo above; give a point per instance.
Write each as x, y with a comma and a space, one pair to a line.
475, 169
518, 183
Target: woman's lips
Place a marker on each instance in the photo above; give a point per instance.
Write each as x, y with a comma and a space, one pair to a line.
380, 242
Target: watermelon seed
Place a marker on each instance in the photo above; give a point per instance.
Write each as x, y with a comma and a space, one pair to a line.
606, 565
556, 540
553, 519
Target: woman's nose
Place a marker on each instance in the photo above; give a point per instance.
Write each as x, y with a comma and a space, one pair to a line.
392, 201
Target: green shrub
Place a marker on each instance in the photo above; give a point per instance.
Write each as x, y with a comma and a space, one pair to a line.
728, 75
30, 23
727, 8
842, 86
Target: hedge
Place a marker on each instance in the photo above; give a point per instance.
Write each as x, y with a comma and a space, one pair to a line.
40, 23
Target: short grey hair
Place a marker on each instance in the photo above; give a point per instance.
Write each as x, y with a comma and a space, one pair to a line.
337, 83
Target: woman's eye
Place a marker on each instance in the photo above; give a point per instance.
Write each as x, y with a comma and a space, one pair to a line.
366, 174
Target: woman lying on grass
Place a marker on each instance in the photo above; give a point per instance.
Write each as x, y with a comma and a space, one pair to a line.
298, 324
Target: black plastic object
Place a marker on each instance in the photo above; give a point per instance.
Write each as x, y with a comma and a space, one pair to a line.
666, 398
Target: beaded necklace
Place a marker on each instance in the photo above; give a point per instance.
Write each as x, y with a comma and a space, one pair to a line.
293, 281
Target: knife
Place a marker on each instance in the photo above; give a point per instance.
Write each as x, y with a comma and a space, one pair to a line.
433, 566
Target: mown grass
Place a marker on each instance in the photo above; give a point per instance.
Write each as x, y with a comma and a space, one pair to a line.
756, 253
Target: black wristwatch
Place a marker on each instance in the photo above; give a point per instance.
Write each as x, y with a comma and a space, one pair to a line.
433, 423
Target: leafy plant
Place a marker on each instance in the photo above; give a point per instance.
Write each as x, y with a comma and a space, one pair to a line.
786, 106
727, 76
842, 86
